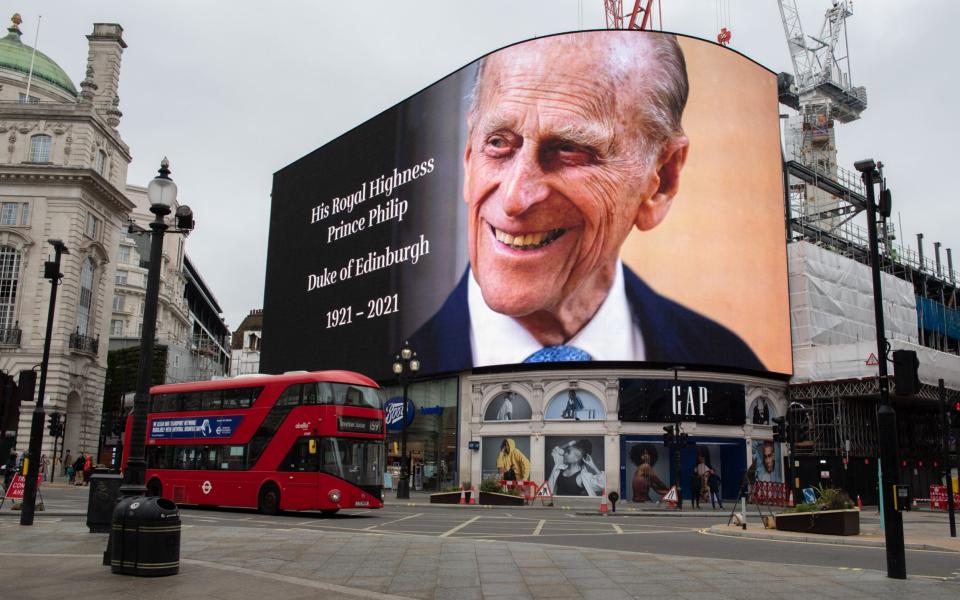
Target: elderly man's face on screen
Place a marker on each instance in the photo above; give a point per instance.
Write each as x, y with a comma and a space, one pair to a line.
563, 159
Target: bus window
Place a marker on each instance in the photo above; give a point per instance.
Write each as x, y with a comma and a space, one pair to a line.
290, 396
352, 395
299, 458
189, 401
309, 393
185, 457
211, 400
325, 394
234, 458
208, 458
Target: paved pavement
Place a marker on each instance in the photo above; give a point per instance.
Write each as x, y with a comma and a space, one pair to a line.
298, 562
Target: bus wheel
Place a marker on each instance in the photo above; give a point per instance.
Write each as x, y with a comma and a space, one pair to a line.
269, 499
155, 488
329, 512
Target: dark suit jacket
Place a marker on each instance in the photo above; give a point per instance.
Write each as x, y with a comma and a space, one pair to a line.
672, 334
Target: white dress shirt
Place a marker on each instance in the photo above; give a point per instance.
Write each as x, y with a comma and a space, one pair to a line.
497, 339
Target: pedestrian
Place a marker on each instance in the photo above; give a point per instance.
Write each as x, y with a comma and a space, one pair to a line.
44, 463
78, 469
68, 464
87, 469
713, 481
696, 489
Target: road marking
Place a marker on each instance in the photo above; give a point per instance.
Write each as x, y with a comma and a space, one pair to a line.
571, 516
394, 521
450, 532
616, 528
539, 527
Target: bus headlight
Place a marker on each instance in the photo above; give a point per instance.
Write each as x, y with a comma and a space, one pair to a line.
334, 496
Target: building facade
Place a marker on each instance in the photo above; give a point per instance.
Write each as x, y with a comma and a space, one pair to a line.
62, 176
245, 344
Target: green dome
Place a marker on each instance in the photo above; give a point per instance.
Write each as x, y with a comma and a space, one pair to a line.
15, 56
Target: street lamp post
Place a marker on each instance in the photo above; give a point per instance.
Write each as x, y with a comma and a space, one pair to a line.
405, 367
51, 271
162, 193
886, 417
680, 439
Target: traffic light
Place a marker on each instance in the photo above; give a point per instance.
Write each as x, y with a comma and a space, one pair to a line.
779, 429
955, 417
54, 423
905, 376
668, 435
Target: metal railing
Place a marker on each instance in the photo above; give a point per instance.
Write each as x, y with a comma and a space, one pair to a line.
84, 343
10, 336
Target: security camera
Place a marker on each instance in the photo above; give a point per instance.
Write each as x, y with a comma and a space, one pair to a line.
865, 166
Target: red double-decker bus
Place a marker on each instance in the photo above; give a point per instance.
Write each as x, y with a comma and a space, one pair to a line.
298, 441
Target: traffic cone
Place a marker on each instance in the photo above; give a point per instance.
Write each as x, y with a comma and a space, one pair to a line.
463, 495
859, 502
473, 496
603, 502
790, 499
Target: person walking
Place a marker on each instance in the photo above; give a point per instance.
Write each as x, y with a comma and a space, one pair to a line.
87, 468
78, 470
44, 464
67, 465
713, 481
696, 489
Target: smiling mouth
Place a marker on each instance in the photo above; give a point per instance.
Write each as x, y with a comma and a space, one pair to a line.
527, 241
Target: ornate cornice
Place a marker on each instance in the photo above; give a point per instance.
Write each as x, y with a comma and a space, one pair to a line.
85, 178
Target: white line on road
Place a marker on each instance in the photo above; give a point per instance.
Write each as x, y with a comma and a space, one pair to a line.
539, 527
394, 521
616, 528
450, 532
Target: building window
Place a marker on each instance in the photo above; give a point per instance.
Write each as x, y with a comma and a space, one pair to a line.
122, 277
118, 302
116, 327
24, 99
40, 148
100, 161
9, 282
123, 257
84, 321
93, 226
14, 213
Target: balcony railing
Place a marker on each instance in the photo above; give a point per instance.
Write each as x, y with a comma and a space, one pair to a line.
84, 343
10, 336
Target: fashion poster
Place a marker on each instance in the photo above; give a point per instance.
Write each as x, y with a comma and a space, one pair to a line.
508, 406
506, 458
574, 466
647, 471
766, 456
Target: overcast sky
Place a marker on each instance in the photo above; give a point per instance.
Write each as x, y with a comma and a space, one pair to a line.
233, 91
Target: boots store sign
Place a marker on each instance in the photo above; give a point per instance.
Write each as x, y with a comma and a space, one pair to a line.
662, 400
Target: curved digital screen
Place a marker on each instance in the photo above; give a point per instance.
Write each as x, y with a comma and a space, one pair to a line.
601, 196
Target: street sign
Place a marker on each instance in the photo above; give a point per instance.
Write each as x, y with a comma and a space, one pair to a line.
17, 485
872, 360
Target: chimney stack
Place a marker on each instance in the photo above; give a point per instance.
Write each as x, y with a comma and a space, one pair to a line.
936, 252
920, 249
950, 274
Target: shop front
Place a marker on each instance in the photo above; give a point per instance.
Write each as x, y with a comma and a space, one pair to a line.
586, 433
431, 418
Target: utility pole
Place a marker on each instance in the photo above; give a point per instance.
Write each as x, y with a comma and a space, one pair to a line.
886, 417
51, 271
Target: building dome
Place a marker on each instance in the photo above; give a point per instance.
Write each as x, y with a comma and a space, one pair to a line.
16, 56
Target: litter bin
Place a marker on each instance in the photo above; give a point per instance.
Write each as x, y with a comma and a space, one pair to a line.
104, 491
145, 538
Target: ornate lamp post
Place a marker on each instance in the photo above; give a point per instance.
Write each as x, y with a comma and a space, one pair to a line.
405, 367
162, 193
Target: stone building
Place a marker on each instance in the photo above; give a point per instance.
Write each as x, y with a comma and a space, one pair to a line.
245, 344
62, 176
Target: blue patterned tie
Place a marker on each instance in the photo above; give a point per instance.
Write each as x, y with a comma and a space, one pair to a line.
557, 354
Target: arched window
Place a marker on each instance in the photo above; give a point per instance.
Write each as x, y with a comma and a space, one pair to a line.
85, 305
100, 162
40, 148
9, 283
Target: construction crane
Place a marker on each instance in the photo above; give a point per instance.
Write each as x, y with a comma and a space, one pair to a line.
823, 94
639, 18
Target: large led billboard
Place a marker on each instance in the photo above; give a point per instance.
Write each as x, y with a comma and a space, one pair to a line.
605, 196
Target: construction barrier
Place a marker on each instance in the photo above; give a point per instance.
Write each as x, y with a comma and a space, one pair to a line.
771, 493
